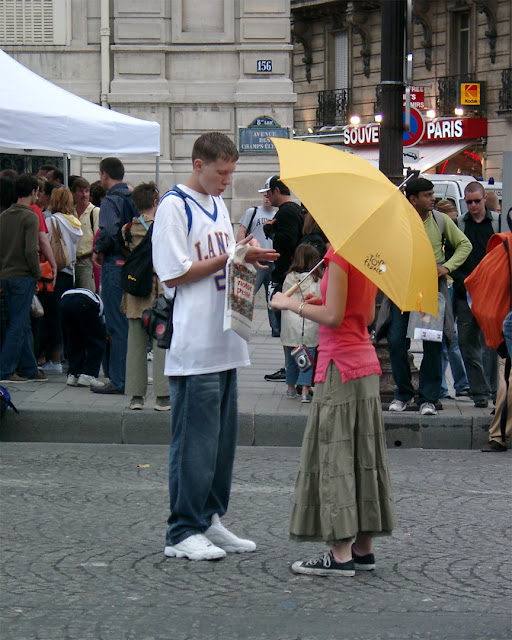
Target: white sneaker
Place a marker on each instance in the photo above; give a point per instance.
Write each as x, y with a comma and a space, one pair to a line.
72, 380
51, 367
428, 409
219, 535
398, 405
85, 380
196, 547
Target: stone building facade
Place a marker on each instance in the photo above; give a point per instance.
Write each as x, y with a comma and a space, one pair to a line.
191, 65
337, 69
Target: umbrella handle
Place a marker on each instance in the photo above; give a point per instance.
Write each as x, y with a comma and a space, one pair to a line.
291, 291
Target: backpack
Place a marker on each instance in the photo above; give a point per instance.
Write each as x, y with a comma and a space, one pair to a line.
128, 213
137, 271
490, 288
5, 402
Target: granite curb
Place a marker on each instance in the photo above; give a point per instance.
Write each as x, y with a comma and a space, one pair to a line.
53, 412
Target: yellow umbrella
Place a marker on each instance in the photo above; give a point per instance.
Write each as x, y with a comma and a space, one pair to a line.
366, 218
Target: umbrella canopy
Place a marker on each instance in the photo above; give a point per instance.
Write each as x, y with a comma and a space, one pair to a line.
366, 218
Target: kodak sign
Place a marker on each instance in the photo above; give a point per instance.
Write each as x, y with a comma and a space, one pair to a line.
472, 94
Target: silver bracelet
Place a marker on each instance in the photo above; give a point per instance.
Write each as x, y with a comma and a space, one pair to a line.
301, 308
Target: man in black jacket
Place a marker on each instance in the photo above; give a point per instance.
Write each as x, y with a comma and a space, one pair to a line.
285, 230
479, 224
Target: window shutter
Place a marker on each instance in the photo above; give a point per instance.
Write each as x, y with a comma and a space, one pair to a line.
341, 60
25, 22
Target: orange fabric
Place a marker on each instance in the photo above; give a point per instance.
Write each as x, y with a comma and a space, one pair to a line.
489, 286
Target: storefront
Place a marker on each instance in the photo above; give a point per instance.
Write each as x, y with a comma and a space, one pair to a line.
442, 145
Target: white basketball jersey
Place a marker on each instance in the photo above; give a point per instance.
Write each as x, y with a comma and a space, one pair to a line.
180, 236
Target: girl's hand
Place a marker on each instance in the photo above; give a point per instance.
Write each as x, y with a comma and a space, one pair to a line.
310, 298
279, 302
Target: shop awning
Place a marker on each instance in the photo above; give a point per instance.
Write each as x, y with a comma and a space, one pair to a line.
430, 154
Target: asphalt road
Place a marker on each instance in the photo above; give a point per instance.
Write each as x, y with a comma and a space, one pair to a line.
83, 527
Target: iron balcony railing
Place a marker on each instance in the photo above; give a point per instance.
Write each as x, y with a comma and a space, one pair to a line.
448, 92
332, 107
506, 90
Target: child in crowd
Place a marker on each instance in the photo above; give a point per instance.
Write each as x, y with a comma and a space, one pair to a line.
297, 331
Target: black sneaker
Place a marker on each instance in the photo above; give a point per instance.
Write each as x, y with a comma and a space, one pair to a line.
481, 404
462, 394
326, 565
280, 374
364, 563
493, 445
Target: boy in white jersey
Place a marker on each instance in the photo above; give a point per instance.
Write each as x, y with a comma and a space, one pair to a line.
191, 235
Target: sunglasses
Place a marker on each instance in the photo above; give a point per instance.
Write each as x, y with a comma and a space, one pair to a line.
473, 201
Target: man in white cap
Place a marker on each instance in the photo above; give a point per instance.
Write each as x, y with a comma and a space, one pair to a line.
285, 230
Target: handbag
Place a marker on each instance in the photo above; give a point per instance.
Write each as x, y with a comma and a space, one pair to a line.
45, 282
60, 252
36, 308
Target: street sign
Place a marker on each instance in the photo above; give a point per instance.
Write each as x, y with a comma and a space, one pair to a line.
411, 155
255, 137
417, 97
413, 136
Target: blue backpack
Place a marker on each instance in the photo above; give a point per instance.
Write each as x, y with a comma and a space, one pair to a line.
5, 402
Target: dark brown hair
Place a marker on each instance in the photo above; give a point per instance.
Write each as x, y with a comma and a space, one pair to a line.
213, 146
306, 256
144, 195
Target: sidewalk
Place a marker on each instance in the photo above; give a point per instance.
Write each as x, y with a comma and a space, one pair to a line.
53, 412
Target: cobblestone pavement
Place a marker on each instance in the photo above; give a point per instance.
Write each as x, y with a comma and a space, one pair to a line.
83, 530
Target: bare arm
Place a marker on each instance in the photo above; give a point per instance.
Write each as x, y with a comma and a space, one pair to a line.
203, 268
241, 233
332, 312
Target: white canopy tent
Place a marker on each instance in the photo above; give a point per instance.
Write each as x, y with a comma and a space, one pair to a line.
38, 116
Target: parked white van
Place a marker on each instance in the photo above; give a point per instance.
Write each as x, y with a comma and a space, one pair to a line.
451, 187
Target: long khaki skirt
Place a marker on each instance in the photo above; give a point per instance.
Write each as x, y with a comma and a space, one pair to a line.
343, 484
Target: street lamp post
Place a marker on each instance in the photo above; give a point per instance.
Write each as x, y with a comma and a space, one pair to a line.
392, 88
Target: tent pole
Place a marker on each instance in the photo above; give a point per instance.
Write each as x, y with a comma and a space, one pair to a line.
65, 168
157, 169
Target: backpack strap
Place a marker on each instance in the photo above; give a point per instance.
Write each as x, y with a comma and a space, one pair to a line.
91, 220
176, 191
250, 222
441, 222
495, 221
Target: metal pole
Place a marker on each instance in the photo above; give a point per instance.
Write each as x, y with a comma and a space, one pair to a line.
392, 86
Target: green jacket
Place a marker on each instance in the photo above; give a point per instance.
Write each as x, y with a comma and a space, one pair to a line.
452, 234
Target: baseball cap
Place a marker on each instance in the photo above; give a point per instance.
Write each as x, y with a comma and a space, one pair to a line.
271, 183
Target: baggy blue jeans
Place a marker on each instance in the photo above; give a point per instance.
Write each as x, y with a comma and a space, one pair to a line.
116, 321
264, 277
204, 423
17, 349
453, 357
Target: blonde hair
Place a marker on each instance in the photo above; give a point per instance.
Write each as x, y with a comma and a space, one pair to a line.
61, 201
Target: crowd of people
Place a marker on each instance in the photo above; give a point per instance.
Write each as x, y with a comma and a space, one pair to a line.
80, 236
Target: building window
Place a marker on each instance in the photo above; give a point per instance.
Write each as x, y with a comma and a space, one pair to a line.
341, 60
461, 43
27, 22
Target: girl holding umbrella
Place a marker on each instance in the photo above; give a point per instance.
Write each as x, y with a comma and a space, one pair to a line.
343, 490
